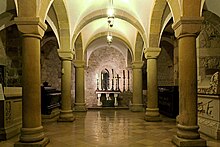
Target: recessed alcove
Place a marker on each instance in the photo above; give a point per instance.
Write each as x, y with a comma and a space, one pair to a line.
100, 63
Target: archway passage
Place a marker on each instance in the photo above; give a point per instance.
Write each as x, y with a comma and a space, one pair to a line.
140, 29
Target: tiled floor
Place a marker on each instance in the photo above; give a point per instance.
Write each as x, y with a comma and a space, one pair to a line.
110, 128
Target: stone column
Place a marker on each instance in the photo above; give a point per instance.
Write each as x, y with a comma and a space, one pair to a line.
137, 103
32, 132
186, 32
152, 110
66, 113
80, 104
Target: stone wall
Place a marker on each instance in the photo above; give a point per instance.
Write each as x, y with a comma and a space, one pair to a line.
208, 49
11, 59
11, 56
103, 58
50, 65
165, 68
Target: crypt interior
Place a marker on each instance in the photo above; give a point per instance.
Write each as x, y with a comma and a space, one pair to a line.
109, 73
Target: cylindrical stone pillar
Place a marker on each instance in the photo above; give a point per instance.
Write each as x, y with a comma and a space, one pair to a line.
187, 133
66, 113
152, 110
137, 103
32, 131
80, 86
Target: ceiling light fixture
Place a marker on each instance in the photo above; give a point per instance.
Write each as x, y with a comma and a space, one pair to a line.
110, 17
109, 38
110, 14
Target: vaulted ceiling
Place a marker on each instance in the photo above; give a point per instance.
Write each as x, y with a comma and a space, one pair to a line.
88, 19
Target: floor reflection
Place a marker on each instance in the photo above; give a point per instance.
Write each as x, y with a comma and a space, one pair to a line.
110, 128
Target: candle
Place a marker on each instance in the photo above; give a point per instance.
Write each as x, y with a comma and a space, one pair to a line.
97, 76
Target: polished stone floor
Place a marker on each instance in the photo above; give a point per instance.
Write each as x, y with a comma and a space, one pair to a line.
110, 128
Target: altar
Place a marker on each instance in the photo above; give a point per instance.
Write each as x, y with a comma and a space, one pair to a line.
108, 88
107, 98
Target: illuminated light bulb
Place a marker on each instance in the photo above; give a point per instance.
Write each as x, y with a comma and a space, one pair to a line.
110, 12
109, 39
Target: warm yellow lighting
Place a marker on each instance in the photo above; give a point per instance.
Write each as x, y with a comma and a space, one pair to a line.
110, 12
125, 1
111, 21
109, 39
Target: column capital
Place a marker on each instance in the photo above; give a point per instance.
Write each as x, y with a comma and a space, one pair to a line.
31, 25
187, 25
79, 63
66, 54
152, 52
137, 64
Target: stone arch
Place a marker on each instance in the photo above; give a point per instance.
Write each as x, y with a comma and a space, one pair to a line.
121, 14
156, 23
185, 8
116, 35
50, 38
45, 6
79, 48
213, 18
6, 20
139, 46
210, 31
63, 22
54, 28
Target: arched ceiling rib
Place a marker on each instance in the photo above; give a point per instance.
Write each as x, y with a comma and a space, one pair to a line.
99, 26
137, 8
156, 23
97, 43
119, 15
123, 42
63, 24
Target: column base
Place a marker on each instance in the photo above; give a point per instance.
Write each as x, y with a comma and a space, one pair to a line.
80, 107
188, 142
41, 143
32, 134
152, 115
137, 107
66, 116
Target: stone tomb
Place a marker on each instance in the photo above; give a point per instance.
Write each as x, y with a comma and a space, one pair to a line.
209, 108
10, 111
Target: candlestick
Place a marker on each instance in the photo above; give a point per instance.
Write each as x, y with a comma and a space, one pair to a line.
101, 81
112, 80
112, 73
97, 81
128, 82
128, 74
123, 80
